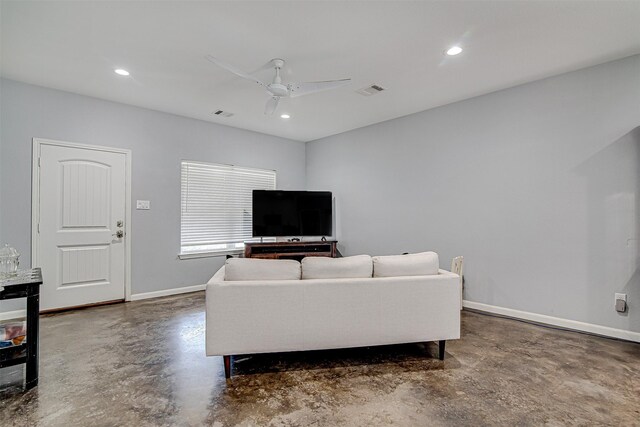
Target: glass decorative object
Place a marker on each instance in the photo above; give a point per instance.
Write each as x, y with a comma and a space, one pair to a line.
9, 261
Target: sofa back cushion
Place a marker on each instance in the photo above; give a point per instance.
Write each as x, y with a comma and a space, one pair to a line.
420, 264
261, 269
358, 266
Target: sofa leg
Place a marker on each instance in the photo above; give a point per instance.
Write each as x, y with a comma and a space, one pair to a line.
441, 349
227, 366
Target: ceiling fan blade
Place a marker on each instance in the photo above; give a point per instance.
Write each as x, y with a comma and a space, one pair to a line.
271, 106
234, 70
299, 89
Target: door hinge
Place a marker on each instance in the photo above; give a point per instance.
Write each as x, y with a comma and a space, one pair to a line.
38, 161
38, 228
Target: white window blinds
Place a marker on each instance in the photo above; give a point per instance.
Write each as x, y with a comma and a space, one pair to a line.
216, 205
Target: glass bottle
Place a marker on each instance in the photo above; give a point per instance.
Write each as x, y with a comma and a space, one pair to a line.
9, 261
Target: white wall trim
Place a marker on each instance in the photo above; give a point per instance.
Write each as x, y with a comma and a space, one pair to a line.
35, 200
13, 314
167, 292
135, 297
555, 321
194, 255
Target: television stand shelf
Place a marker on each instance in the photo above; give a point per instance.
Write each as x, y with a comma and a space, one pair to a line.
290, 250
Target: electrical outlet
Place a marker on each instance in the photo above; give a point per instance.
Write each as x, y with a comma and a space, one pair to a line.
621, 303
143, 204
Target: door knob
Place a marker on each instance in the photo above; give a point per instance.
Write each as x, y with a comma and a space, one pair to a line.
119, 234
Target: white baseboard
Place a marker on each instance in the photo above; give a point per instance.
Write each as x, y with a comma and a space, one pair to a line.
6, 315
167, 292
555, 321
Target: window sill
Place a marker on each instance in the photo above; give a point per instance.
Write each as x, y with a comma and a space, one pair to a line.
210, 254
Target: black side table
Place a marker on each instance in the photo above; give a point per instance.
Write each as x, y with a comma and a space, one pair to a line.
25, 285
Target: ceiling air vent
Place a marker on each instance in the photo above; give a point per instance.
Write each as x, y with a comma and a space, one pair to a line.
370, 90
222, 113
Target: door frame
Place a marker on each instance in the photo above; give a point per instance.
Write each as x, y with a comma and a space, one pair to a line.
35, 200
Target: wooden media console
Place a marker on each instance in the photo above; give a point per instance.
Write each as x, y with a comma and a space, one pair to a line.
290, 250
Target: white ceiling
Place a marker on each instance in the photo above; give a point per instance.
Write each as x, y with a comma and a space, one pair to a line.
75, 46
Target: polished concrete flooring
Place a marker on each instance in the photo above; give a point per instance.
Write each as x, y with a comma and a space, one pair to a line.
143, 364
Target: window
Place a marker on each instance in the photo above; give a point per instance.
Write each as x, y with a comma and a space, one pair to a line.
216, 206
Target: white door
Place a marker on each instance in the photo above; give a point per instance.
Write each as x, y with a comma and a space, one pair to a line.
82, 207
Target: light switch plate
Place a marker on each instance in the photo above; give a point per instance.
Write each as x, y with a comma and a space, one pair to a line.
143, 204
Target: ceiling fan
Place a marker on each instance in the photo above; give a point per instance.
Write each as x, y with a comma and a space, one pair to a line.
276, 88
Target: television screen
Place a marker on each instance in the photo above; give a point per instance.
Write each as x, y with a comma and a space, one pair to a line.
291, 213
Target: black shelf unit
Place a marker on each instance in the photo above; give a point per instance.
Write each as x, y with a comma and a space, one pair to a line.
13, 355
25, 285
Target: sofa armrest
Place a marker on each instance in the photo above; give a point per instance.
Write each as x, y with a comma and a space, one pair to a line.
218, 277
448, 273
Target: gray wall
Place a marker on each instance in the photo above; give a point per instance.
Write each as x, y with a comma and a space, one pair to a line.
158, 142
537, 186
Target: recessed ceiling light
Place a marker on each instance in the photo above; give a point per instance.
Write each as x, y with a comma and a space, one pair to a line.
285, 116
454, 50
121, 72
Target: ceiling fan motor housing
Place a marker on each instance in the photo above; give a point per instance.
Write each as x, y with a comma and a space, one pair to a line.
278, 89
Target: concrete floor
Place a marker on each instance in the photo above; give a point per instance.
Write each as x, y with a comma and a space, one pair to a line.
143, 364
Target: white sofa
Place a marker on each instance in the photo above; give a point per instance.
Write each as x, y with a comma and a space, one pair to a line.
263, 306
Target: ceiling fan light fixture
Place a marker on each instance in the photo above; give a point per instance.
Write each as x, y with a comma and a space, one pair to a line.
121, 72
285, 116
454, 50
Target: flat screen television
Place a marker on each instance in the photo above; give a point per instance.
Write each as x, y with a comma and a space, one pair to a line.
279, 213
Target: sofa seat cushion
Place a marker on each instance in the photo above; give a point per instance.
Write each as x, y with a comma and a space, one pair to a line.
420, 264
358, 266
261, 269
